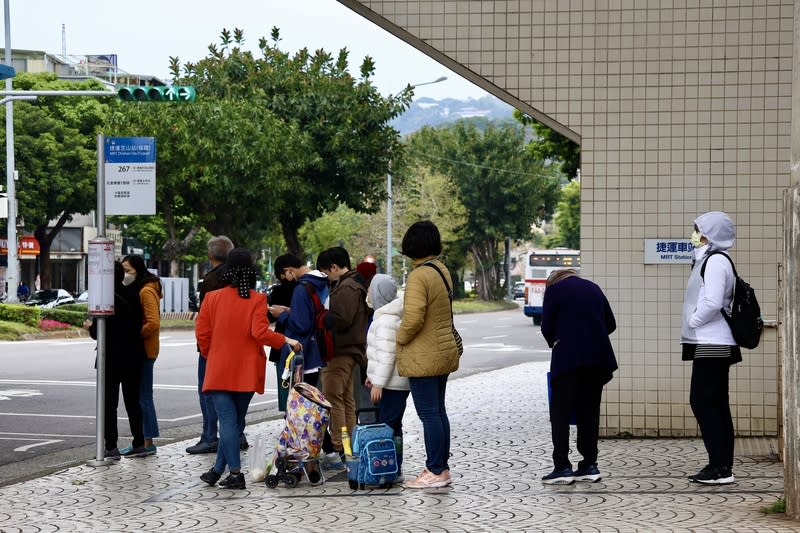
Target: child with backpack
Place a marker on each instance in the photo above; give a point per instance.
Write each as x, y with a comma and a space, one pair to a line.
388, 389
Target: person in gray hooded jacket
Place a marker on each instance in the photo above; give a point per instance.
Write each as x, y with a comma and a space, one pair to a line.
708, 342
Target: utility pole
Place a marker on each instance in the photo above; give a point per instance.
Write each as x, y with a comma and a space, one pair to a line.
12, 271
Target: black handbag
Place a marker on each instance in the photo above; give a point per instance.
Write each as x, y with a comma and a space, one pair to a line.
456, 335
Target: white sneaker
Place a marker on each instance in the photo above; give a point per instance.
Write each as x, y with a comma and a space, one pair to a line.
332, 461
429, 480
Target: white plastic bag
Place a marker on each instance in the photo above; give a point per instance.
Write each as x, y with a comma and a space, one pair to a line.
257, 457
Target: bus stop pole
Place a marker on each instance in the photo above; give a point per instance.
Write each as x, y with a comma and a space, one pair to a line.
100, 419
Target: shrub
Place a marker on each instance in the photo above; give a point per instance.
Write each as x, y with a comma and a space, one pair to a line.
81, 308
74, 318
23, 314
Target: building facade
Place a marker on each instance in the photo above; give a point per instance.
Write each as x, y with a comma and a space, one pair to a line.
680, 107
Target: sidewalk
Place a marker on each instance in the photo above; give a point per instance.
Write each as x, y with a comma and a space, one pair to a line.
500, 446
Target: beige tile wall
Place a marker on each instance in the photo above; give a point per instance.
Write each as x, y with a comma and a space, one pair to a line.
681, 107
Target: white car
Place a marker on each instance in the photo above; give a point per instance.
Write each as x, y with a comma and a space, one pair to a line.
82, 297
49, 298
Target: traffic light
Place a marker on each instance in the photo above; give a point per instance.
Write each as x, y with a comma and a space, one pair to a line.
172, 93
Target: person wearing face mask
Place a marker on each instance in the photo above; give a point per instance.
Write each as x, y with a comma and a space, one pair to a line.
146, 288
707, 341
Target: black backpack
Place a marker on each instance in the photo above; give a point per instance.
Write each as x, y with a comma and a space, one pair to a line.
745, 319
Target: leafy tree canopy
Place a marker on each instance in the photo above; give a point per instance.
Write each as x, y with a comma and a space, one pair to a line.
551, 146
568, 218
501, 186
55, 153
345, 118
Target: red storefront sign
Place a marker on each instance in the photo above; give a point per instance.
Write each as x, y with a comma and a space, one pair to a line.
28, 245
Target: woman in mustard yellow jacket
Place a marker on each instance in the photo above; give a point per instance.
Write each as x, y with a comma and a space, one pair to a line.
148, 287
232, 330
426, 347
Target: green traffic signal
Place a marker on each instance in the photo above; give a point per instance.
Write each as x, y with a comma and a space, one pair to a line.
173, 93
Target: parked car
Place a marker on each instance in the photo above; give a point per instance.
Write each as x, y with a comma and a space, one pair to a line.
49, 298
519, 289
83, 297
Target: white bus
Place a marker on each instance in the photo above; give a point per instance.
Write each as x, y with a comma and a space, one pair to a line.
539, 264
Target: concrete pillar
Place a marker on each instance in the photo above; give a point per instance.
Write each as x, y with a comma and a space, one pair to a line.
791, 300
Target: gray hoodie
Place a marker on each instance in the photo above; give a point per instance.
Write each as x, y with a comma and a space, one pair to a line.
704, 297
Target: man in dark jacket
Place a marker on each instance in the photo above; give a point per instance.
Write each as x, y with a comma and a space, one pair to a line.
348, 319
576, 322
218, 248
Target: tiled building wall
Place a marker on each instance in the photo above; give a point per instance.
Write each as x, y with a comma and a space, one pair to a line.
680, 107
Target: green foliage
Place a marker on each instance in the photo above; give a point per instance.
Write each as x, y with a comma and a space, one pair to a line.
550, 146
568, 218
80, 308
55, 146
346, 144
23, 314
74, 318
778, 506
341, 227
13, 331
217, 160
502, 188
481, 306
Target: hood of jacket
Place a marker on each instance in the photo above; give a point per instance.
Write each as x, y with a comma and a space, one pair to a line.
718, 229
382, 290
319, 281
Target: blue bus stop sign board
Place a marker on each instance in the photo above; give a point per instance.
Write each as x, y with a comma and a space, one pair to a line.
7, 72
130, 175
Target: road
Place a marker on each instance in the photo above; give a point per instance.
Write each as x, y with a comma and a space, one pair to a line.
47, 387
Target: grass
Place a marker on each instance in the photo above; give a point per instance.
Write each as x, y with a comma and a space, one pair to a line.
778, 506
481, 306
177, 324
12, 331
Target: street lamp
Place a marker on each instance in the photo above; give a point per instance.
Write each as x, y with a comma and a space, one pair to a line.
389, 192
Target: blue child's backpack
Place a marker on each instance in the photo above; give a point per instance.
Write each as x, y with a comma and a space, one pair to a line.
374, 459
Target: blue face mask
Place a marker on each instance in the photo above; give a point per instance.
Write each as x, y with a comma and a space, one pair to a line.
696, 239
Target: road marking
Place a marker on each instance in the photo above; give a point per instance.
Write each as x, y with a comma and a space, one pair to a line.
19, 393
86, 384
48, 435
493, 337
176, 344
29, 446
187, 417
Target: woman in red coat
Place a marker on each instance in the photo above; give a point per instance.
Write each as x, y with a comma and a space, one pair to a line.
232, 330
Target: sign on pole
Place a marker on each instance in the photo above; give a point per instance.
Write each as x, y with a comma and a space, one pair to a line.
101, 277
130, 175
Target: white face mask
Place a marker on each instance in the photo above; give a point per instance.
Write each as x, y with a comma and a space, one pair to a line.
696, 239
128, 279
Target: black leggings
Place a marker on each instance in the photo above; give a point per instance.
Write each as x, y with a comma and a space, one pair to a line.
708, 397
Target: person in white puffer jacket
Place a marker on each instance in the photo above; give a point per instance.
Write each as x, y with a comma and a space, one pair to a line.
388, 390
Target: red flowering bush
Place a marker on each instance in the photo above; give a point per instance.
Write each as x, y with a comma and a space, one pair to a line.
49, 325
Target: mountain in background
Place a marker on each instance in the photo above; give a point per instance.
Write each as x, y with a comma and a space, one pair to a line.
430, 112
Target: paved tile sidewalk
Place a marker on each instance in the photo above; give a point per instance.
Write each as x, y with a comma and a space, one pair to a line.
501, 448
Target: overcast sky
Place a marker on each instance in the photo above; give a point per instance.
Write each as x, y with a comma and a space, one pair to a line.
145, 33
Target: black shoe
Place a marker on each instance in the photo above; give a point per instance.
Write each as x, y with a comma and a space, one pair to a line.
243, 445
711, 475
211, 477
233, 481
559, 477
588, 473
202, 447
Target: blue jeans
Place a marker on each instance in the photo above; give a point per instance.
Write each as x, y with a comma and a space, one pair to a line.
231, 409
149, 420
393, 406
428, 394
209, 435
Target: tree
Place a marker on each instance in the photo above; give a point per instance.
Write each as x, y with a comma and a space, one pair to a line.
503, 188
552, 147
568, 218
55, 146
346, 119
221, 165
